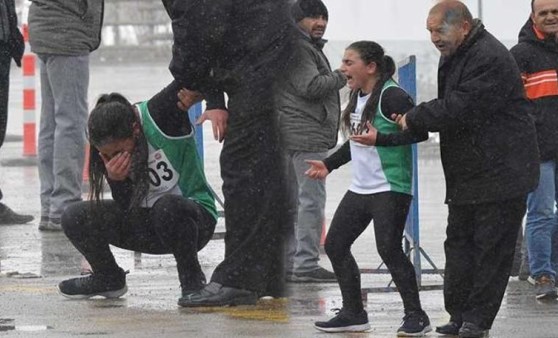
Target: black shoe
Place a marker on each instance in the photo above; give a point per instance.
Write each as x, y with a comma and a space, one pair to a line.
345, 321
8, 216
451, 328
52, 224
97, 284
320, 275
189, 287
472, 330
415, 324
545, 287
215, 294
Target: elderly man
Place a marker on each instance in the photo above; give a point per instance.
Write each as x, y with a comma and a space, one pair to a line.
490, 160
537, 57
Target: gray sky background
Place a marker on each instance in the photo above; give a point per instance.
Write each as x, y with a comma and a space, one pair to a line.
406, 19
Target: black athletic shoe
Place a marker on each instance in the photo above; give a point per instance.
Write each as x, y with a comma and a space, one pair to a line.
189, 287
345, 321
451, 328
545, 287
96, 284
414, 324
320, 275
471, 330
215, 294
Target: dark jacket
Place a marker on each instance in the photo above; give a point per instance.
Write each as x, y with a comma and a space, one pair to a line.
10, 36
65, 27
537, 59
308, 99
232, 46
487, 134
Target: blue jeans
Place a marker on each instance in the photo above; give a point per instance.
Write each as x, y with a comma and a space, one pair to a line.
542, 223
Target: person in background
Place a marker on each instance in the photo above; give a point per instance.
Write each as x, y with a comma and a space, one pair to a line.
309, 109
537, 57
490, 160
11, 47
161, 201
380, 188
63, 33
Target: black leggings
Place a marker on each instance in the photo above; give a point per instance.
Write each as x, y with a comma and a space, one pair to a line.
354, 213
174, 225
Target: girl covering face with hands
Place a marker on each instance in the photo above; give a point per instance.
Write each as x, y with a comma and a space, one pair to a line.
161, 201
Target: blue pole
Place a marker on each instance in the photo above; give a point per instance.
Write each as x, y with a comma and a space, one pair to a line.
408, 81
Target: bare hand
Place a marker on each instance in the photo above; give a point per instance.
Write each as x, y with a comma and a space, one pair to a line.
368, 138
119, 166
187, 98
317, 171
401, 120
218, 118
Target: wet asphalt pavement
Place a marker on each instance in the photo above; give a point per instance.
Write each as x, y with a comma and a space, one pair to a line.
33, 262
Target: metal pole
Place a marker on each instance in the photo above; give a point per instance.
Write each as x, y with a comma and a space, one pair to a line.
480, 9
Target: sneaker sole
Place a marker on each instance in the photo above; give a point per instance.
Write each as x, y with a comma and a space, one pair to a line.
294, 279
106, 294
244, 300
415, 334
351, 328
549, 295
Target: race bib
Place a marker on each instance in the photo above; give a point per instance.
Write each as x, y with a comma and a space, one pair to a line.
163, 178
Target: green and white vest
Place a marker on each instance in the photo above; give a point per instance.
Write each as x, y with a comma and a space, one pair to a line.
174, 165
379, 169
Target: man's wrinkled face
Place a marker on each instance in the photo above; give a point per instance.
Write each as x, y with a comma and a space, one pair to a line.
447, 38
545, 17
315, 27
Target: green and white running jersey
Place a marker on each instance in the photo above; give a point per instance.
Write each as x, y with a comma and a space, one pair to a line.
174, 165
379, 169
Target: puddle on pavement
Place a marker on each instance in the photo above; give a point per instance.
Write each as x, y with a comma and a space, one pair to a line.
272, 310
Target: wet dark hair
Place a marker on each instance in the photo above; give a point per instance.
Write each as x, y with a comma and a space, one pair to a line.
113, 119
369, 51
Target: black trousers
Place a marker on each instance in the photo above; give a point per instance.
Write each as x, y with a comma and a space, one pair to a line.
5, 62
354, 213
254, 191
174, 225
479, 248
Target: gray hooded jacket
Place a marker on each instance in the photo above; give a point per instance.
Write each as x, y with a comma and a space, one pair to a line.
65, 27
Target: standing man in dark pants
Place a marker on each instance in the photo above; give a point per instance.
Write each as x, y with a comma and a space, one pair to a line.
11, 46
490, 160
237, 48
